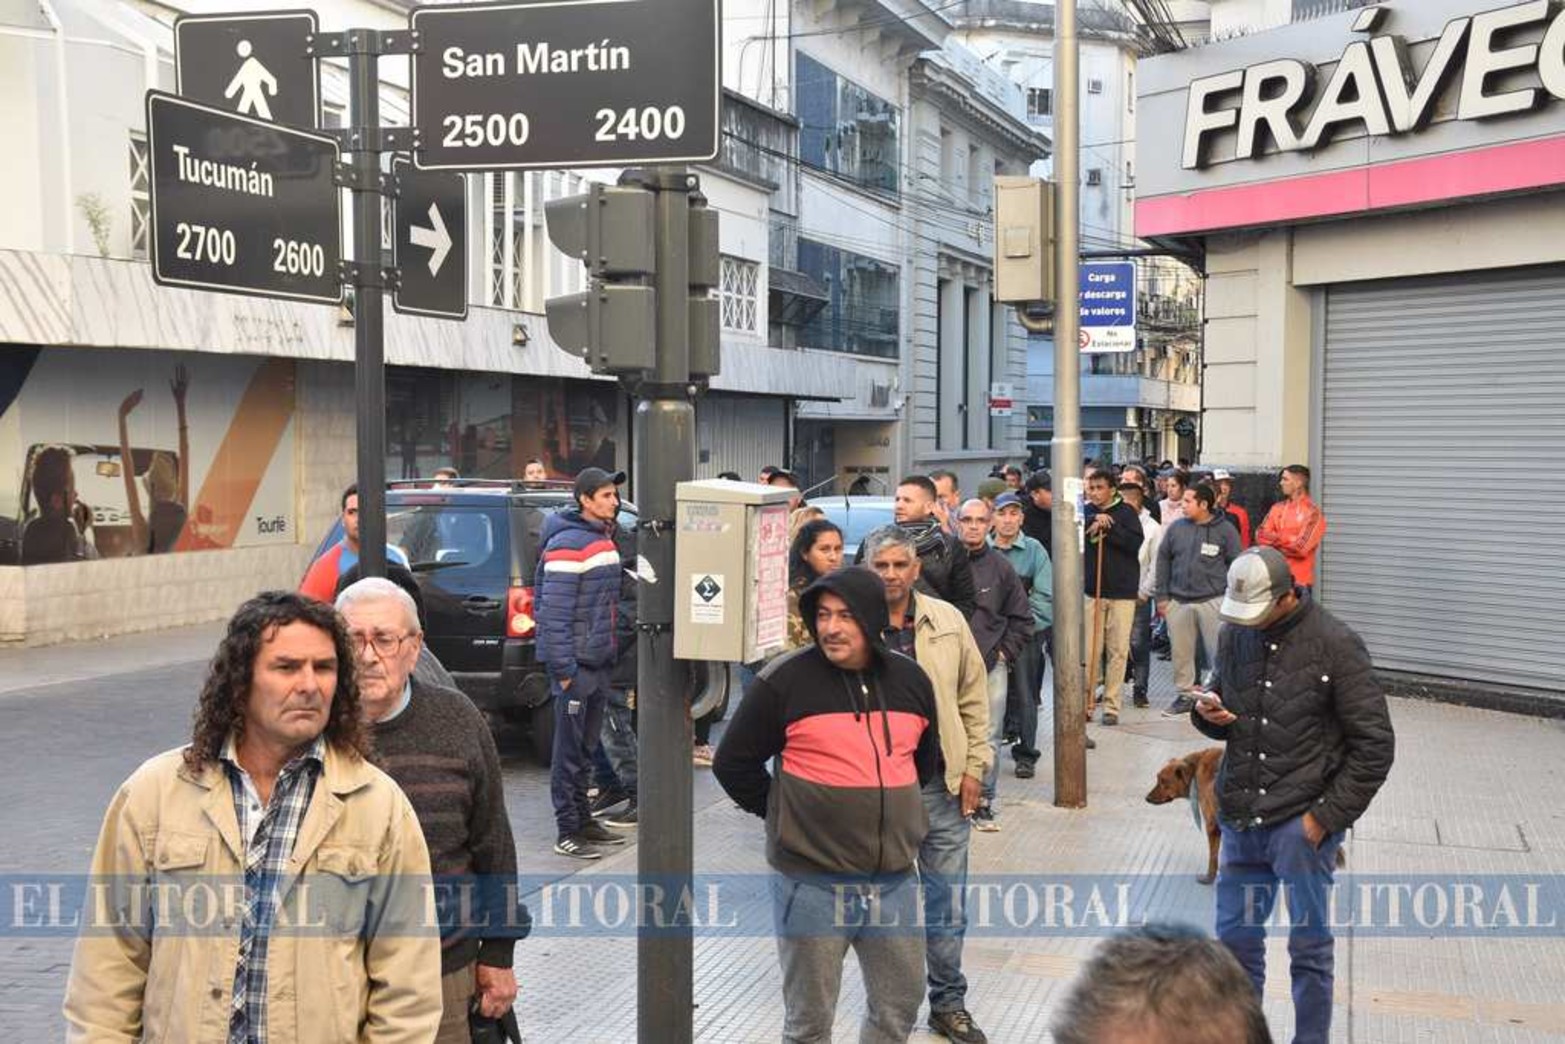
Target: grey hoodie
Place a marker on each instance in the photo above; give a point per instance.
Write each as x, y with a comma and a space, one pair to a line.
1184, 572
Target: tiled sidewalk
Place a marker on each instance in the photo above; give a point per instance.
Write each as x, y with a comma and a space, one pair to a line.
1472, 792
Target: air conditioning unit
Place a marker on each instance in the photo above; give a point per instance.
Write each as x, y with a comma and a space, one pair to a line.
1094, 86
1095, 176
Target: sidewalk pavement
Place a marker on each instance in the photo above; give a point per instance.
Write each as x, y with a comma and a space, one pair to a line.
1472, 793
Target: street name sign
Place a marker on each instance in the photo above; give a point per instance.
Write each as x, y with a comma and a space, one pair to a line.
431, 242
250, 64
567, 83
240, 205
1108, 307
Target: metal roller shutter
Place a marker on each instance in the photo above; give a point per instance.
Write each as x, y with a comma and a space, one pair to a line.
1443, 473
739, 433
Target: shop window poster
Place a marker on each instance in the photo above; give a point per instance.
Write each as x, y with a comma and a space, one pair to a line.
109, 454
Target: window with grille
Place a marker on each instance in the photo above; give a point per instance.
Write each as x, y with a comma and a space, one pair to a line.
1095, 176
140, 199
1040, 101
740, 294
1094, 86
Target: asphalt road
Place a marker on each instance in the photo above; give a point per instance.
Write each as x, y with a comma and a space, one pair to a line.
69, 745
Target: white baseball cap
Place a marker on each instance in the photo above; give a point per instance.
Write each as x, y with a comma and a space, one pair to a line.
1256, 580
1221, 475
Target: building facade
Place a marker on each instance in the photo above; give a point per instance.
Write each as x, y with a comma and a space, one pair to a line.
1137, 404
1377, 193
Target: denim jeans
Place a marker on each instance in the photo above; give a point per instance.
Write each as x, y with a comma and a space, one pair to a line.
999, 684
942, 871
1251, 866
1141, 648
817, 922
1026, 677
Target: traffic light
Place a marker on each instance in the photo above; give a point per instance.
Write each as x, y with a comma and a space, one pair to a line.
612, 324
1023, 240
705, 275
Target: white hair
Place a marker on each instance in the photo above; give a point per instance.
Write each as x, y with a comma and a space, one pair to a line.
379, 589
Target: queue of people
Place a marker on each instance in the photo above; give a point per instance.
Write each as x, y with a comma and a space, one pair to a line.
328, 749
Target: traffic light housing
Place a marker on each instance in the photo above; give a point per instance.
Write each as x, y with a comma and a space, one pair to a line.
612, 324
705, 276
1023, 240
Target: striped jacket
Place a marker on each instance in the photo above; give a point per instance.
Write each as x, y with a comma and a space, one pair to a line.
853, 749
577, 593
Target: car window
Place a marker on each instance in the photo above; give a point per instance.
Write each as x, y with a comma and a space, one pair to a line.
858, 521
447, 536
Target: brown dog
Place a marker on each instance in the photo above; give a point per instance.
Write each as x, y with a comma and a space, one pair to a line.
1173, 783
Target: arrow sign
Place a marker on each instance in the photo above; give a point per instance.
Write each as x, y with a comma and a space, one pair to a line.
436, 238
431, 242
240, 205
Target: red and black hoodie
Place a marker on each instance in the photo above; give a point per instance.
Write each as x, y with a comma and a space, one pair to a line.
854, 747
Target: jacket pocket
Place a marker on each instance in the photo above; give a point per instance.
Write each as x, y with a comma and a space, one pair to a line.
339, 894
179, 852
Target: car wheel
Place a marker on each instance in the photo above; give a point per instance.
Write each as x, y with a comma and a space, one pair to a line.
709, 685
541, 718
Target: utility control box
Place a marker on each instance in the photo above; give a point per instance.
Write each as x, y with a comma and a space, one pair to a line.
730, 570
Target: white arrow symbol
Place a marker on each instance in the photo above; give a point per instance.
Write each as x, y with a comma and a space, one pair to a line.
436, 239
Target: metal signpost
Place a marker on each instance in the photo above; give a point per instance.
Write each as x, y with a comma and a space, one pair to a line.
251, 64
245, 205
570, 84
240, 205
430, 242
1108, 306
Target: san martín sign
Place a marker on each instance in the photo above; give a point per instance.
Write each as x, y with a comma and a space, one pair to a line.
1479, 62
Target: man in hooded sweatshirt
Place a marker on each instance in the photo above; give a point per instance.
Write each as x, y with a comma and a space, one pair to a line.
578, 591
854, 728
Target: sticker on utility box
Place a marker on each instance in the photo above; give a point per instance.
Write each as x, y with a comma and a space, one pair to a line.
706, 598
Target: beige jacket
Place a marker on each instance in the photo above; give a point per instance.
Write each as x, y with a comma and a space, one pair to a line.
946, 650
355, 955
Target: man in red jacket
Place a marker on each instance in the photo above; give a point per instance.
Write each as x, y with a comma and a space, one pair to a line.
1295, 525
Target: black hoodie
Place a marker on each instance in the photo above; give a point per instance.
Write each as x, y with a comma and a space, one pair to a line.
855, 748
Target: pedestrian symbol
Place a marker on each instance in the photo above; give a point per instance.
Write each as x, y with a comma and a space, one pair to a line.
254, 65
248, 81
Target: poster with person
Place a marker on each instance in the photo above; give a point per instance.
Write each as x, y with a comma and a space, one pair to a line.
108, 454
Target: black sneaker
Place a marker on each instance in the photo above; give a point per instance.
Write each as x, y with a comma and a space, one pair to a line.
1110, 718
1092, 744
1180, 707
624, 819
608, 799
577, 847
957, 1025
1140, 700
1025, 770
596, 833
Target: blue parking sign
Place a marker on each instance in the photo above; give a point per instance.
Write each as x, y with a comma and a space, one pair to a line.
1108, 307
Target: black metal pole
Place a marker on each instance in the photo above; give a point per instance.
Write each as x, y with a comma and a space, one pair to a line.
665, 456
369, 367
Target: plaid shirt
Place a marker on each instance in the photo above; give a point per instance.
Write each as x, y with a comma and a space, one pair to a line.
270, 844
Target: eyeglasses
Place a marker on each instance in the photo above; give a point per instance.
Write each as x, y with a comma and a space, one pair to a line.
383, 644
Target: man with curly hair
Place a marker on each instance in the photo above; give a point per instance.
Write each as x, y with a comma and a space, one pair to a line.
265, 882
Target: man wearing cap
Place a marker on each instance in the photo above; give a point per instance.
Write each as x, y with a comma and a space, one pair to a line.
1223, 482
1295, 525
1033, 566
1309, 743
578, 591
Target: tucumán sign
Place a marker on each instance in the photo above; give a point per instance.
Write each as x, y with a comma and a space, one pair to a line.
1375, 85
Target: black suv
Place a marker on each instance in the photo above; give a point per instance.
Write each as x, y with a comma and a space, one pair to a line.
473, 547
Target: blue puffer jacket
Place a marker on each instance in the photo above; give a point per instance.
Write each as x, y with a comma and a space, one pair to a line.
577, 591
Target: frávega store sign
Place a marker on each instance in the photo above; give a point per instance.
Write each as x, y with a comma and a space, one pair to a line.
1376, 85
1403, 105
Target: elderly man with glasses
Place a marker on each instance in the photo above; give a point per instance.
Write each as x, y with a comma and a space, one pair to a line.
437, 747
